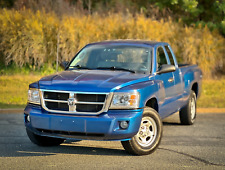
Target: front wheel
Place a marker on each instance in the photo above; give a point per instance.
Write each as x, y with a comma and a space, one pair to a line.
43, 140
149, 135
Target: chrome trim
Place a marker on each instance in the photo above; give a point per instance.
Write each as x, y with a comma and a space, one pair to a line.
97, 103
61, 101
64, 101
170, 80
105, 104
108, 101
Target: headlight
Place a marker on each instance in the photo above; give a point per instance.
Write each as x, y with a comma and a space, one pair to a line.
33, 96
125, 100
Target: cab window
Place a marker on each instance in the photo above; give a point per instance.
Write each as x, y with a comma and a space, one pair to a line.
170, 55
161, 57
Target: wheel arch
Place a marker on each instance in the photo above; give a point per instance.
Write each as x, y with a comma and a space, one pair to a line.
153, 103
195, 88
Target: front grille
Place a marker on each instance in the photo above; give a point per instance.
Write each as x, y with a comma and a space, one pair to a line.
73, 102
56, 96
91, 97
57, 106
89, 108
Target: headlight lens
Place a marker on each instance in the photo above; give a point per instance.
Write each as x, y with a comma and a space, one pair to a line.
33, 96
125, 100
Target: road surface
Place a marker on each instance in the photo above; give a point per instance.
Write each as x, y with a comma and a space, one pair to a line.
201, 146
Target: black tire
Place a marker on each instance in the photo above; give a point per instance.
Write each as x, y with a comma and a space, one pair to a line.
43, 140
188, 113
144, 143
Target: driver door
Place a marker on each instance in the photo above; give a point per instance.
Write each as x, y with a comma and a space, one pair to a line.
167, 83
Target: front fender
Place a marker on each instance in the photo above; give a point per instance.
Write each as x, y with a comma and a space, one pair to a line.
148, 89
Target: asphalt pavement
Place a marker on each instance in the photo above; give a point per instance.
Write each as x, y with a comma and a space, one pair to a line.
200, 146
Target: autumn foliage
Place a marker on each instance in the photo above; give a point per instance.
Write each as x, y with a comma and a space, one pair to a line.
32, 38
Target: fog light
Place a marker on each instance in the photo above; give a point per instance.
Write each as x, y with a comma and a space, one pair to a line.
124, 124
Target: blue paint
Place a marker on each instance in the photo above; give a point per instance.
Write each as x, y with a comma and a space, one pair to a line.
170, 97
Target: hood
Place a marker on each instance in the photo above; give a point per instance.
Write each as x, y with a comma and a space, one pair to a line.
89, 80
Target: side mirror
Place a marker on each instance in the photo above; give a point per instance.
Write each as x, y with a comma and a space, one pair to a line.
165, 68
64, 64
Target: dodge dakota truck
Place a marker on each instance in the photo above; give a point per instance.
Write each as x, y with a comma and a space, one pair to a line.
113, 90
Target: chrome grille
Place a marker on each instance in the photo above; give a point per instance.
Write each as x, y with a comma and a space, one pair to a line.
75, 102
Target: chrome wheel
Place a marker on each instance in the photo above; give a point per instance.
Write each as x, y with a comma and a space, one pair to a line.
148, 136
147, 132
193, 109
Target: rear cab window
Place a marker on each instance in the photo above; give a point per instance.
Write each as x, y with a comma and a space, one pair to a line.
169, 55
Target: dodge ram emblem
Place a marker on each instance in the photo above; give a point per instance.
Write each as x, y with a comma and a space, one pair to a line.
72, 104
71, 101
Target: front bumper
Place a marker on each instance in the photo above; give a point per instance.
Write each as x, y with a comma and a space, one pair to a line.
101, 127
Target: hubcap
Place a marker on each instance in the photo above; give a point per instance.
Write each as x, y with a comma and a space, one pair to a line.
147, 132
193, 109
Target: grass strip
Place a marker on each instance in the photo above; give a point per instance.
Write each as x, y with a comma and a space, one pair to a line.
13, 90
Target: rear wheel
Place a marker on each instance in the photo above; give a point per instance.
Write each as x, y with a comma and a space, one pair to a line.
43, 140
188, 113
149, 135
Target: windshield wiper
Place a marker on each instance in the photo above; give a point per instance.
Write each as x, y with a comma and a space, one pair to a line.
116, 68
80, 67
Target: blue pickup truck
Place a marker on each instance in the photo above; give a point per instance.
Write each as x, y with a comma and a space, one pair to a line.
113, 90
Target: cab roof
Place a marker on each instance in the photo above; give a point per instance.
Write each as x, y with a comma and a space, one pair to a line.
130, 42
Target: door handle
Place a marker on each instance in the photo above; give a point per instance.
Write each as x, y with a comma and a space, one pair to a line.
170, 80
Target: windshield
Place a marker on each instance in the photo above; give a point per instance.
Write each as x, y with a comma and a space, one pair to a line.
114, 57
